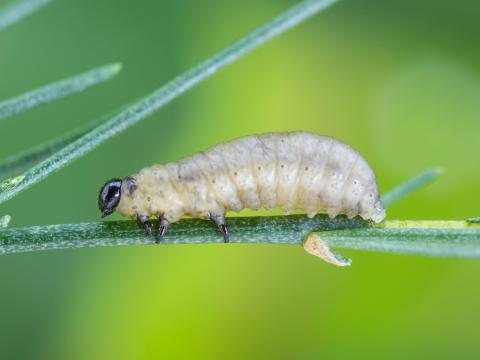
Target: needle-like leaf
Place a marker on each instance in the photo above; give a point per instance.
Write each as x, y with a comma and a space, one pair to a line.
13, 165
20, 9
428, 238
411, 185
57, 90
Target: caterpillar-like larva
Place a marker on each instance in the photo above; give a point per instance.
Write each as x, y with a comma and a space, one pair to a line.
296, 170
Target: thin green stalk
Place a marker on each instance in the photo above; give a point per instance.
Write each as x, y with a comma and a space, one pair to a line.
431, 238
163, 95
17, 163
411, 185
57, 90
17, 11
272, 229
13, 165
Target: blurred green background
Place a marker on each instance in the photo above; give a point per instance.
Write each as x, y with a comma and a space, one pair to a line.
398, 80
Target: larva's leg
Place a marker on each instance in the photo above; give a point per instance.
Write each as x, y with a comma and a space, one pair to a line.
162, 229
146, 223
219, 220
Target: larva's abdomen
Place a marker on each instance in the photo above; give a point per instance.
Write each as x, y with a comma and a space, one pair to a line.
296, 170
236, 156
264, 156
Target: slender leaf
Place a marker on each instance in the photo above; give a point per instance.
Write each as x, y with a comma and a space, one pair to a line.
15, 164
17, 11
411, 185
165, 94
57, 90
427, 238
441, 238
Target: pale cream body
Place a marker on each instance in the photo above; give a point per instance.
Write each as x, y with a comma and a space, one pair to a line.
296, 170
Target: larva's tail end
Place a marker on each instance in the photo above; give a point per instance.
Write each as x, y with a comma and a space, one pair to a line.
379, 212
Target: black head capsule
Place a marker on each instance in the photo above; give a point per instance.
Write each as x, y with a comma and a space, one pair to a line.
109, 196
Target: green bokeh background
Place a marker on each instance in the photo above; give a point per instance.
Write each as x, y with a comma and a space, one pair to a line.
398, 80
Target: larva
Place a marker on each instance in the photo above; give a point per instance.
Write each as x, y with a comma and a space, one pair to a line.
296, 170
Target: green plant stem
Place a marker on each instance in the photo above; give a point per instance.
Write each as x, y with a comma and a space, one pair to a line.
57, 90
13, 165
17, 11
429, 238
411, 185
163, 95
434, 238
272, 229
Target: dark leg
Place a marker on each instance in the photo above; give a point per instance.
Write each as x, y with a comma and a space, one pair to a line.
163, 228
219, 220
146, 223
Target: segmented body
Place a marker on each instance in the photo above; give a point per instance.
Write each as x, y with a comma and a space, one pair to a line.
296, 170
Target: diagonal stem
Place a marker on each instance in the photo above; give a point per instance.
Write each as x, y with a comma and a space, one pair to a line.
19, 10
411, 185
57, 90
